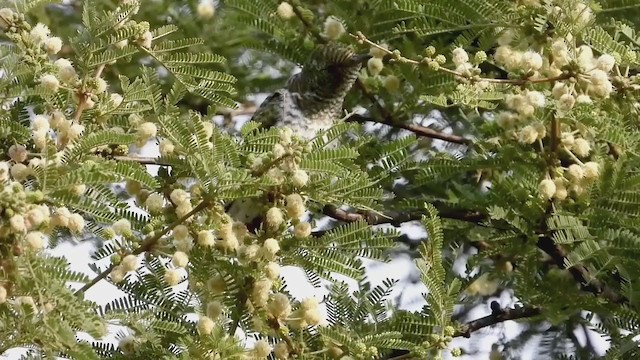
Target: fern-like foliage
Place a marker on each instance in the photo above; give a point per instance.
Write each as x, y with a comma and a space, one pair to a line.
65, 313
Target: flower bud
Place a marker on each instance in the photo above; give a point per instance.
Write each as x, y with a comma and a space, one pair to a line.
274, 218
285, 11
375, 66
262, 349
547, 189
300, 178
52, 45
205, 325
272, 270
50, 82
172, 277
302, 230
270, 248
180, 259
206, 10
333, 29
280, 306
130, 263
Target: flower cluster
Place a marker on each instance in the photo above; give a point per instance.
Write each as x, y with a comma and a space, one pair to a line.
36, 39
129, 263
145, 132
25, 225
333, 28
574, 76
282, 164
26, 220
206, 10
592, 80
573, 179
279, 310
285, 11
36, 46
182, 202
307, 314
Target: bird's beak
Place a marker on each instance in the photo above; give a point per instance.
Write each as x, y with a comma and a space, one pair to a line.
359, 59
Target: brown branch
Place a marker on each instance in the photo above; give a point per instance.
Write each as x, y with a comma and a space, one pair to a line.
580, 273
496, 317
414, 128
465, 330
274, 323
374, 218
142, 160
146, 245
546, 244
557, 253
82, 102
388, 119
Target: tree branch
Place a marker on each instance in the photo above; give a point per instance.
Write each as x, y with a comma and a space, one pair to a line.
465, 330
580, 273
496, 317
415, 128
82, 102
359, 36
146, 245
374, 218
546, 244
141, 160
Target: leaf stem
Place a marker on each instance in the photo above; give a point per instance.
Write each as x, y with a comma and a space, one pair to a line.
146, 244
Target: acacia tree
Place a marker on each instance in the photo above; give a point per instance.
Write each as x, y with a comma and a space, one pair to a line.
526, 169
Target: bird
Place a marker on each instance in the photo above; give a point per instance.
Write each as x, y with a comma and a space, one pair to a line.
311, 101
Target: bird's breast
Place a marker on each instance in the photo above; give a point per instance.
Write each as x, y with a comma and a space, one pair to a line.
307, 115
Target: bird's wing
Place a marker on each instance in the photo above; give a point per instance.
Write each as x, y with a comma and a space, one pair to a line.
271, 110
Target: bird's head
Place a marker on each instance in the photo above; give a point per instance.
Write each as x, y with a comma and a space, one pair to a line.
330, 71
334, 55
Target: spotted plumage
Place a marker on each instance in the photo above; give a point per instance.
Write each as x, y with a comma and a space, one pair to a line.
312, 99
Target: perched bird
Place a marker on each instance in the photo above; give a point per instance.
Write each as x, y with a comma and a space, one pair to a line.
310, 102
312, 99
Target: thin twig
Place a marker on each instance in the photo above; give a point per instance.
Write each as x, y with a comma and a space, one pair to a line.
401, 357
136, 159
142, 160
359, 36
275, 325
146, 244
374, 218
580, 273
415, 128
497, 317
82, 101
